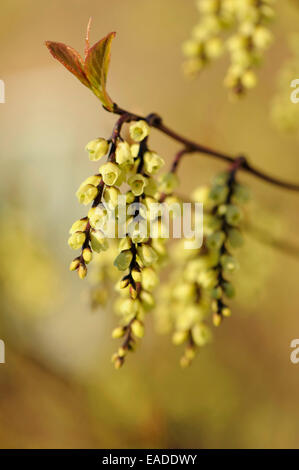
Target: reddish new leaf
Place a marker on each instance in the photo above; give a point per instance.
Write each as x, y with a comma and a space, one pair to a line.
96, 68
70, 58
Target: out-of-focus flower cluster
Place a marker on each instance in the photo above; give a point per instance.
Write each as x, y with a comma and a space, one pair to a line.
284, 110
201, 280
238, 26
134, 168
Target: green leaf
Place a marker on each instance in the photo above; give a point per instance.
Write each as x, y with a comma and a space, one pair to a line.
70, 58
96, 69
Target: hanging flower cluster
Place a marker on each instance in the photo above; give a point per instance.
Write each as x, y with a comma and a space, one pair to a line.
133, 166
239, 26
201, 282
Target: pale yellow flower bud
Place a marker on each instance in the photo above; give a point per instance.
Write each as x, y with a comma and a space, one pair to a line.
217, 319
87, 255
135, 150
123, 260
147, 299
151, 188
76, 240
96, 215
139, 130
86, 194
184, 291
226, 312
123, 153
74, 264
138, 329
213, 48
201, 334
79, 225
98, 241
97, 148
82, 271
94, 180
137, 183
249, 79
118, 332
125, 244
179, 337
136, 275
149, 279
168, 183
110, 173
130, 197
110, 196
152, 163
147, 254
191, 48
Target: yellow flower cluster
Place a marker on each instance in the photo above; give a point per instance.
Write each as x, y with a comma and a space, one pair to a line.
201, 282
239, 26
132, 166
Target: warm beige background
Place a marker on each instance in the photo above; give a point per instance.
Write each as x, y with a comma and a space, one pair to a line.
58, 388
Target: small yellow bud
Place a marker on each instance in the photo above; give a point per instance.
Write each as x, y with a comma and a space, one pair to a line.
110, 173
133, 292
125, 244
98, 241
121, 352
94, 180
118, 362
123, 260
76, 240
190, 353
152, 162
124, 282
79, 225
118, 332
87, 255
179, 337
138, 328
82, 271
86, 194
74, 264
217, 319
226, 312
147, 299
110, 196
136, 275
139, 130
97, 215
97, 148
137, 183
151, 188
168, 183
191, 48
130, 197
135, 150
249, 79
123, 153
149, 279
147, 254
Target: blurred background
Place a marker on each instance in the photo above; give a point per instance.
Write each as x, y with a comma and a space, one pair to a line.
58, 388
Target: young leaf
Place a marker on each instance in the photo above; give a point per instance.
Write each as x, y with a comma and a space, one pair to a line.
96, 69
70, 58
